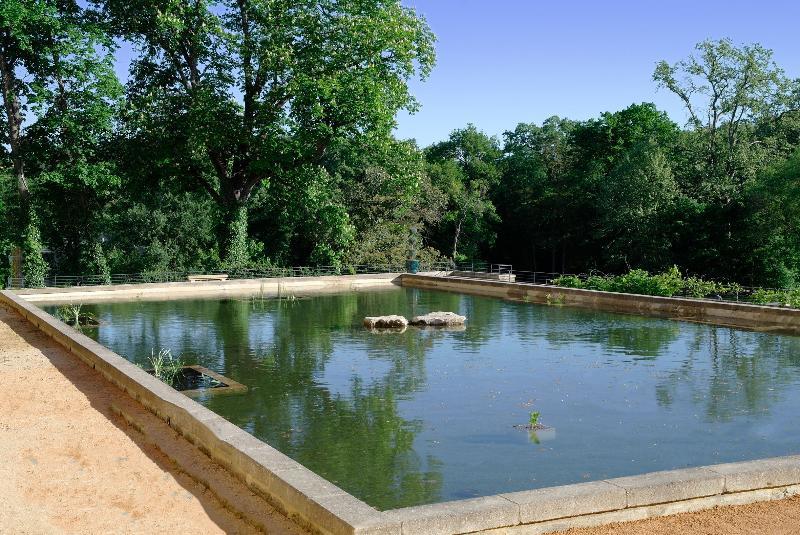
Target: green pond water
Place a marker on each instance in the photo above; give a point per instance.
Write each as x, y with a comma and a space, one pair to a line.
424, 416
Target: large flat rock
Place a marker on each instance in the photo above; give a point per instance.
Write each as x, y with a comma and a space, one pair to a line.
439, 319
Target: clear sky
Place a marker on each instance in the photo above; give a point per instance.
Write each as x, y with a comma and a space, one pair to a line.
503, 62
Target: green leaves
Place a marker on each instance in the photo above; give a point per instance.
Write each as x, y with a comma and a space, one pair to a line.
638, 281
465, 168
254, 92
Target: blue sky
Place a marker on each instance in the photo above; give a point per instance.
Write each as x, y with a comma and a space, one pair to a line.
501, 62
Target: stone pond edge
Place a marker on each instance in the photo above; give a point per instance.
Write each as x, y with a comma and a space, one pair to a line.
322, 507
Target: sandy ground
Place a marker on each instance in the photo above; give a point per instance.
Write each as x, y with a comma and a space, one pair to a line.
68, 464
767, 518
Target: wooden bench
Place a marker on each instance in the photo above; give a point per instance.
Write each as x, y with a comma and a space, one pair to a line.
201, 278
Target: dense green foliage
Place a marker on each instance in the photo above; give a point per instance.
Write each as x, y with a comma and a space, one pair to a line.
638, 281
258, 133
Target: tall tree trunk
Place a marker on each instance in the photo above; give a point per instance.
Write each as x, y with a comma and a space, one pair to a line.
13, 109
234, 237
456, 237
34, 267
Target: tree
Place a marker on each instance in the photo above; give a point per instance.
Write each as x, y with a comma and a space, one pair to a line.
390, 199
21, 52
253, 92
774, 225
724, 89
465, 168
534, 193
639, 204
636, 195
58, 89
730, 93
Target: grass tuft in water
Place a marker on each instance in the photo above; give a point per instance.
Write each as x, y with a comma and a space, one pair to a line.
165, 366
74, 316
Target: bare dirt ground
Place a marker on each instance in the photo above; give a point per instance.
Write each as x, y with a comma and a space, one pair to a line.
69, 464
767, 518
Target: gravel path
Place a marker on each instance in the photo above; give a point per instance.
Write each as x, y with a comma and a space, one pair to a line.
70, 465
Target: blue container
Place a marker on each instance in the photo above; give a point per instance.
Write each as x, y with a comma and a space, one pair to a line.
412, 266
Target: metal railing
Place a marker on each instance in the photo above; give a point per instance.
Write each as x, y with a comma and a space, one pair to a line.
443, 268
64, 281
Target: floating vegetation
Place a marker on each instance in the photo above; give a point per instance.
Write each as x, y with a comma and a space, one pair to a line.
261, 299
533, 423
534, 420
288, 297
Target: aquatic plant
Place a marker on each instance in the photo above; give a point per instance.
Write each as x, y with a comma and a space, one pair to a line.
74, 316
165, 366
287, 297
534, 419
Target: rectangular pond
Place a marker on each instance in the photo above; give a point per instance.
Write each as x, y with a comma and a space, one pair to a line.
423, 416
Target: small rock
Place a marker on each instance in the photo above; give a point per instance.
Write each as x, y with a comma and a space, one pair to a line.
439, 319
385, 322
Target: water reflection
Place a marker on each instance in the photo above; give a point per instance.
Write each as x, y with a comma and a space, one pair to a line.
732, 373
424, 415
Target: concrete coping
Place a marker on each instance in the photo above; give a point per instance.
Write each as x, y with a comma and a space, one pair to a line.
723, 313
229, 386
231, 288
325, 508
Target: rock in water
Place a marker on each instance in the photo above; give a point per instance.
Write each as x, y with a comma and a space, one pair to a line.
439, 319
385, 322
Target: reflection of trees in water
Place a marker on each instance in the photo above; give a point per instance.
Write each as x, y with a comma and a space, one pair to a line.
358, 440
640, 337
133, 329
747, 372
485, 320
643, 340
405, 352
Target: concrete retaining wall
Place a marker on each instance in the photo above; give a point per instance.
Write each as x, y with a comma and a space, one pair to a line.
740, 315
324, 508
209, 289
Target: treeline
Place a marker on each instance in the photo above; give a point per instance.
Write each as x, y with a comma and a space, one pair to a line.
259, 133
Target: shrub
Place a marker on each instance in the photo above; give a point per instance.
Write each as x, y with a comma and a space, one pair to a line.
34, 267
639, 281
697, 287
599, 282
789, 297
568, 281
668, 283
671, 282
